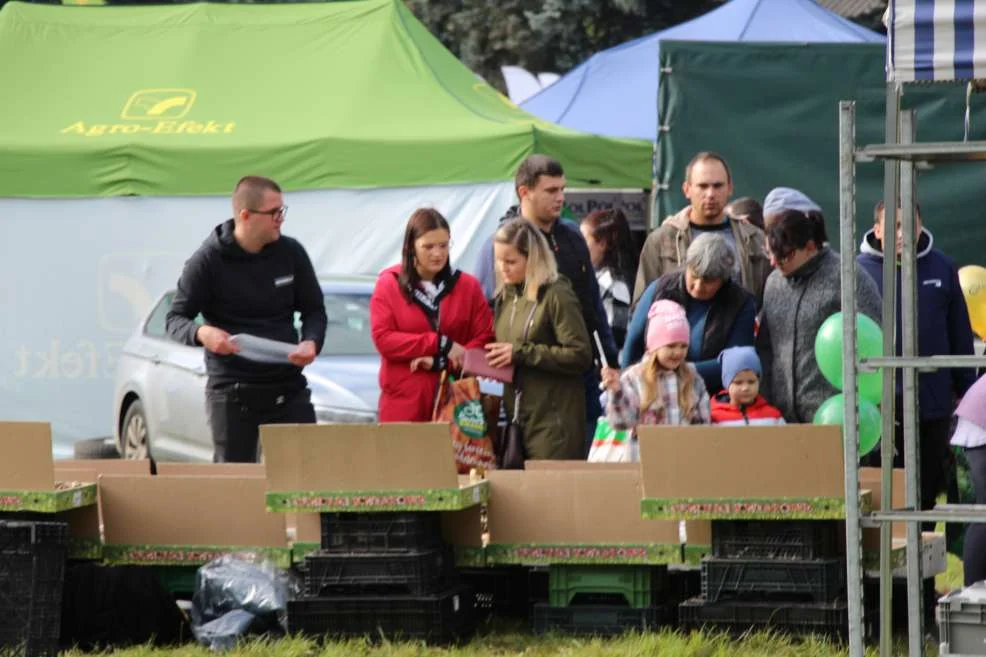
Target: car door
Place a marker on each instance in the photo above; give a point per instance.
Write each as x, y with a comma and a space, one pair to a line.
178, 396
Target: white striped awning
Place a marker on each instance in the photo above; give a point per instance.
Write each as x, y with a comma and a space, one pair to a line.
936, 40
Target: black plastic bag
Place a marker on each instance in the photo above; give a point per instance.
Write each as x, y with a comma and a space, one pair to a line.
237, 596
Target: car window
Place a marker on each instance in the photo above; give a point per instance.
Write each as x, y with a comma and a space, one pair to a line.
156, 326
348, 330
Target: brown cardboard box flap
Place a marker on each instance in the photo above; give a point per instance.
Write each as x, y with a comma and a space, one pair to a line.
26, 463
359, 457
708, 462
579, 465
870, 478
305, 527
463, 528
212, 469
102, 466
572, 506
188, 510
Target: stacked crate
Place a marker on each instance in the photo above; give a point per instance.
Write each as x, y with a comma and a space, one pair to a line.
385, 574
32, 574
602, 600
782, 575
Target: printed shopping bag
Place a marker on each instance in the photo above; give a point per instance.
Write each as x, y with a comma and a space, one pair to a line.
612, 446
472, 421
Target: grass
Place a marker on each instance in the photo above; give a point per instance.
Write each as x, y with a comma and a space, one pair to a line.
663, 644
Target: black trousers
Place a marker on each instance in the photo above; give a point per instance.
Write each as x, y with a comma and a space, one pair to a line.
237, 410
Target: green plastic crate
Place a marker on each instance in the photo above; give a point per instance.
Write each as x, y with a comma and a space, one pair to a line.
177, 580
637, 584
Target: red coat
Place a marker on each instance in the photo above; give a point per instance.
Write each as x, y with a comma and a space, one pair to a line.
402, 331
758, 413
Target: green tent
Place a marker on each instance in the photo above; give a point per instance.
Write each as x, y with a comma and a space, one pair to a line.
176, 100
775, 118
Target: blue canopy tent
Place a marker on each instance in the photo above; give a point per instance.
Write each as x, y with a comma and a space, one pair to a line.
614, 92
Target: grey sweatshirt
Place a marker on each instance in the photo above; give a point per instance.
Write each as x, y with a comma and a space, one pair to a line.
794, 308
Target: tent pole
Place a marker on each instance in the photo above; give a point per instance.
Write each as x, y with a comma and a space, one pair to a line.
889, 323
847, 237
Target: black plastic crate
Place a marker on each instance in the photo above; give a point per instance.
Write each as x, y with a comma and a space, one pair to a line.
500, 591
416, 573
443, 618
399, 531
822, 580
739, 616
777, 539
32, 575
596, 620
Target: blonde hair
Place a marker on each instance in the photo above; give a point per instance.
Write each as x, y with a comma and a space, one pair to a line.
530, 243
651, 372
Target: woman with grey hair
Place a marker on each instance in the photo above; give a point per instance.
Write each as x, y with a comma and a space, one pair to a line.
721, 313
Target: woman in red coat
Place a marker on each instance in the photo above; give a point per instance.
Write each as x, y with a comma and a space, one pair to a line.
424, 315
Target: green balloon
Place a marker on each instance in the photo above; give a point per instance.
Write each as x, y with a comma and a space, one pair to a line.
869, 344
831, 412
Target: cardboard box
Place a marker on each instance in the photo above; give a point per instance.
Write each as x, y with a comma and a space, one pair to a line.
697, 533
187, 519
102, 466
708, 472
168, 469
869, 478
364, 467
85, 523
574, 514
27, 473
934, 558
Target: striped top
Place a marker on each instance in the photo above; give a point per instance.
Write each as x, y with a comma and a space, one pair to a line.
936, 40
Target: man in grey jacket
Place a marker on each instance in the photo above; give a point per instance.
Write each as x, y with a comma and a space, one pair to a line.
708, 186
801, 293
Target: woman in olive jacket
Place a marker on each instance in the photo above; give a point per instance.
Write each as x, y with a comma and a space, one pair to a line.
541, 333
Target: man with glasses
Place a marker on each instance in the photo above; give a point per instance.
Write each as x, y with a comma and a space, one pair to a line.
247, 278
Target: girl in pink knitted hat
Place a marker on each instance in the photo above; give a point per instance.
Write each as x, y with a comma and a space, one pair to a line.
663, 388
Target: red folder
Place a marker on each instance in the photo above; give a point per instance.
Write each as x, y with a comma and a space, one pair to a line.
475, 363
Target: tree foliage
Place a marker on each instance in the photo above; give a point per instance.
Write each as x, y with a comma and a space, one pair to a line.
544, 35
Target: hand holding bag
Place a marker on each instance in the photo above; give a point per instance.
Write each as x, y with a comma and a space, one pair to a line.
471, 422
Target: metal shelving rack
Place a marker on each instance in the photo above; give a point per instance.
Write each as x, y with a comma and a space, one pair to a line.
902, 156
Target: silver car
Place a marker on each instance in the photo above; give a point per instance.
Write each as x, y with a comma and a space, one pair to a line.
159, 396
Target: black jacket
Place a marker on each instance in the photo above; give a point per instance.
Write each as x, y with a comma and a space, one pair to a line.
255, 293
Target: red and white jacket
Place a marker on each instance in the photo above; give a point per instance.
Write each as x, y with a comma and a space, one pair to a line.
402, 330
759, 413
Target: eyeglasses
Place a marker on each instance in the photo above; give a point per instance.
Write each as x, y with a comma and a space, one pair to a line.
274, 214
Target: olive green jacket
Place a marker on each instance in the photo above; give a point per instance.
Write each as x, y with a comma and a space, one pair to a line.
548, 367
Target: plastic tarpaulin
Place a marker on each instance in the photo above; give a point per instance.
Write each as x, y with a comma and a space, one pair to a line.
935, 40
77, 276
615, 91
778, 126
184, 99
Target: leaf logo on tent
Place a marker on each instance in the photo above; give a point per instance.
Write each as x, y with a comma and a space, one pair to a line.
158, 104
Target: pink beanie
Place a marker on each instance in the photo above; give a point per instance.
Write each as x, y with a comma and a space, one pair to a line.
666, 323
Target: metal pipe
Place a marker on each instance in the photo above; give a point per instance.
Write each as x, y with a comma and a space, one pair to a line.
924, 363
941, 513
889, 324
847, 244
909, 401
